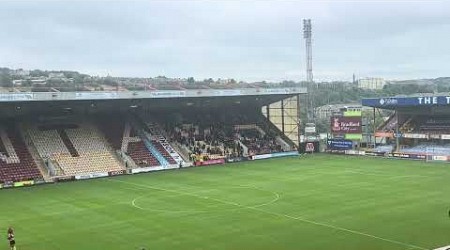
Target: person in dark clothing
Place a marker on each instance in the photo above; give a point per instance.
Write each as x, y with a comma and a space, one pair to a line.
11, 239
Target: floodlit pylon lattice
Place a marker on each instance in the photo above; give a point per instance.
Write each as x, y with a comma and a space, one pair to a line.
307, 35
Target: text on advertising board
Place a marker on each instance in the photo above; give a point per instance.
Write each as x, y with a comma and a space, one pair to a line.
339, 144
346, 125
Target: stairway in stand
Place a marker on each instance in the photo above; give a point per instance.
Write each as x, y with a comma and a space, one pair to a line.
72, 150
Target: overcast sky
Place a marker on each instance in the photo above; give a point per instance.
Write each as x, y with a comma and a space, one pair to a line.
246, 40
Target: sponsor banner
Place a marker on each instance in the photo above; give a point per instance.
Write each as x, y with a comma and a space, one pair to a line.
16, 97
312, 138
408, 156
273, 155
435, 136
415, 136
346, 125
187, 164
260, 157
370, 153
445, 137
96, 95
210, 162
351, 152
334, 151
168, 93
339, 144
352, 113
310, 129
1, 186
355, 137
283, 154
114, 173
439, 158
65, 178
309, 147
90, 176
276, 91
225, 92
384, 134
39, 181
236, 159
23, 183
8, 184
146, 169
407, 101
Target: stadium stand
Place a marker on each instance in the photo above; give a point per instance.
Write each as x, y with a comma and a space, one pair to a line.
16, 163
113, 129
86, 133
221, 135
141, 156
74, 148
162, 145
428, 149
390, 124
435, 125
256, 140
123, 137
384, 149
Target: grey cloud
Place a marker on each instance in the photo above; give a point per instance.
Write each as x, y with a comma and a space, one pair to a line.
250, 40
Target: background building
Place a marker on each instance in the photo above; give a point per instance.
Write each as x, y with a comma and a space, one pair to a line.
371, 83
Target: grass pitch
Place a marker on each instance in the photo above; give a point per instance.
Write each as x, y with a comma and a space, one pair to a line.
312, 202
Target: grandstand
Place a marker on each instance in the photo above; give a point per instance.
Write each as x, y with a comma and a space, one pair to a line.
418, 128
16, 162
77, 135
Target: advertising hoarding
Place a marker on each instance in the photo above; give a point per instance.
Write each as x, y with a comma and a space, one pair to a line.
23, 183
407, 101
346, 125
210, 162
337, 144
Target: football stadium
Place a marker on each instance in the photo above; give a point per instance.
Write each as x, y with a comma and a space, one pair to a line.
217, 169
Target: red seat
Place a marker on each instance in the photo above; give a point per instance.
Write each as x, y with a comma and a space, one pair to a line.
26, 169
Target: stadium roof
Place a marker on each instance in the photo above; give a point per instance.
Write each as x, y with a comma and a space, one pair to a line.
155, 94
407, 102
29, 104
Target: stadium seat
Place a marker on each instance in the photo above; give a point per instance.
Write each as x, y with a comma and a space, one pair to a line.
75, 148
16, 163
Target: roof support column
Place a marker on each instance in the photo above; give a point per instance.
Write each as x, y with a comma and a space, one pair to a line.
282, 116
397, 138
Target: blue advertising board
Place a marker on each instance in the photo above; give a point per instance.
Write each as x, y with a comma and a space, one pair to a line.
392, 102
339, 144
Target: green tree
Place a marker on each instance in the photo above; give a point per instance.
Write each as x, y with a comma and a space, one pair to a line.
27, 83
191, 80
6, 80
110, 81
38, 73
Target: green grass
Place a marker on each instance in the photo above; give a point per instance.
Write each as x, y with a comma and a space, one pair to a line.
313, 202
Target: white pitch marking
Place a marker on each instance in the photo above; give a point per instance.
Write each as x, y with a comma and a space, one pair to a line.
133, 202
284, 215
